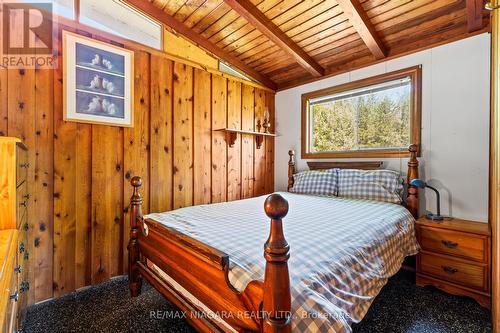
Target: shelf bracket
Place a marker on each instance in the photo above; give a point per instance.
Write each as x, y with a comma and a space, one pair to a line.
258, 141
231, 138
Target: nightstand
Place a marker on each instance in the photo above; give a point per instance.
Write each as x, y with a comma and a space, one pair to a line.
455, 257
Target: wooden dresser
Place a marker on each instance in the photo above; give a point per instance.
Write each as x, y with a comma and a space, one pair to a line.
455, 257
14, 202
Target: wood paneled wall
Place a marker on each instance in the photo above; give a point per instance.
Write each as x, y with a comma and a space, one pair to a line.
79, 221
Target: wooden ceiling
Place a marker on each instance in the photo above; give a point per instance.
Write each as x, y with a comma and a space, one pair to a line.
283, 43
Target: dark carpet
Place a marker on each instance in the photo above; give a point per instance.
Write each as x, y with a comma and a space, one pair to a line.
400, 307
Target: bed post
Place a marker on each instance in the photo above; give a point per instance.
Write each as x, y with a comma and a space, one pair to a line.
291, 169
412, 197
276, 305
134, 277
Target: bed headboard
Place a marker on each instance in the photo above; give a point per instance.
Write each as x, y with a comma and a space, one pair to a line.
411, 201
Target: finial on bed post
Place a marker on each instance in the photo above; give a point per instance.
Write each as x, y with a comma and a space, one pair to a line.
276, 305
134, 277
291, 169
412, 197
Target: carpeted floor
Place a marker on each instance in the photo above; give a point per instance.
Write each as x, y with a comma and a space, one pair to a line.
401, 307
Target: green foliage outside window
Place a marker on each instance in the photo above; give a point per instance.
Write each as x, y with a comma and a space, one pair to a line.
362, 122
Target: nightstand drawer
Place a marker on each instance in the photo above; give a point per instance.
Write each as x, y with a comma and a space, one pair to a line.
458, 244
463, 273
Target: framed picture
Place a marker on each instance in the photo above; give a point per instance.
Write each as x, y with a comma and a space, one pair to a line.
98, 82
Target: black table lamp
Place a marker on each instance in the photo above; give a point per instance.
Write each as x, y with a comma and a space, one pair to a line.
421, 184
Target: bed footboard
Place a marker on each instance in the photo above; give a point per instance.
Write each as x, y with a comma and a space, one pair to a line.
277, 299
203, 272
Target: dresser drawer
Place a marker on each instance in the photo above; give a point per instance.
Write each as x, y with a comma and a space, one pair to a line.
22, 165
22, 274
23, 199
455, 243
12, 306
446, 268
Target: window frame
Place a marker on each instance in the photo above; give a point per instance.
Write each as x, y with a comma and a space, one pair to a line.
161, 48
415, 74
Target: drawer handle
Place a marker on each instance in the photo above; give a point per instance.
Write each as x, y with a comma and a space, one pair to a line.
18, 269
449, 270
26, 196
21, 247
24, 165
449, 244
26, 226
14, 296
24, 203
25, 286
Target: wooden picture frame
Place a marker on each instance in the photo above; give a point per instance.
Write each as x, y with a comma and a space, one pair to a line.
415, 74
98, 82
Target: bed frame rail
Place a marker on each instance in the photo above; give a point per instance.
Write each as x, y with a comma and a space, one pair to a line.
264, 306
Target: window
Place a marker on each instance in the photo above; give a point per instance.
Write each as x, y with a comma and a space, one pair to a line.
230, 70
375, 117
64, 8
120, 19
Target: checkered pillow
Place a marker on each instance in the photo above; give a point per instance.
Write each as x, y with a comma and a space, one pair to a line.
318, 182
380, 185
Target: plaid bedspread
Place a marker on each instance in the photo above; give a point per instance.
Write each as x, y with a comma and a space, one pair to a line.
342, 250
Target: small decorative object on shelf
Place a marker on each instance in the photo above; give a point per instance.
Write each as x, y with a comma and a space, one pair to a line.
231, 135
421, 184
267, 123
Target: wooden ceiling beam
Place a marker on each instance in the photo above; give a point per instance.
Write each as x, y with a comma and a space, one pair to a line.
256, 18
151, 10
361, 22
429, 41
474, 14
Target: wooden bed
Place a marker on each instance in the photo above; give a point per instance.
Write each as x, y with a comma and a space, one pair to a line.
203, 271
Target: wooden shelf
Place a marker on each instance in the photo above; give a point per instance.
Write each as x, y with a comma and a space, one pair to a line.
232, 133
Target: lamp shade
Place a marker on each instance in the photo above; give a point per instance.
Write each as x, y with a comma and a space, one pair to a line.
417, 183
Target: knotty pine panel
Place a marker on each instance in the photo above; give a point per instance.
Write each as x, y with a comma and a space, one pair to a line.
202, 138
234, 153
183, 131
161, 134
83, 200
107, 202
78, 226
259, 154
219, 146
43, 185
64, 195
247, 141
270, 144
